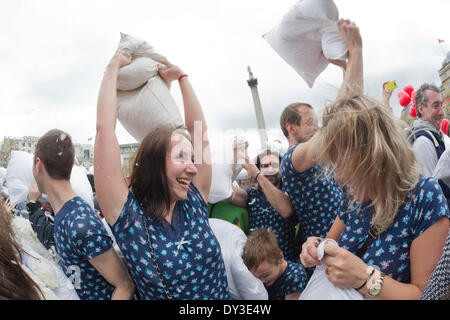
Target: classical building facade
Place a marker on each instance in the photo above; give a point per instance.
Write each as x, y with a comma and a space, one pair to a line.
127, 153
444, 74
83, 152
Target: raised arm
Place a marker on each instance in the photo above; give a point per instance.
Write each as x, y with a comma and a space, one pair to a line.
110, 184
239, 197
279, 200
305, 155
387, 96
354, 77
196, 125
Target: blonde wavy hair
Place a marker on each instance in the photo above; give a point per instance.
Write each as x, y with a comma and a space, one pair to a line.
362, 143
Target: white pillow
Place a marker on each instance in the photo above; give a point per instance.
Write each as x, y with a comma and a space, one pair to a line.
309, 27
144, 100
20, 177
221, 184
142, 110
241, 282
442, 169
320, 288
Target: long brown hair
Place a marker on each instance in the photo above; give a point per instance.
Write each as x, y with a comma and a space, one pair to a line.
148, 179
15, 284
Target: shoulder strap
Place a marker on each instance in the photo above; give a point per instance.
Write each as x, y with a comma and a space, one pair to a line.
439, 145
433, 138
369, 240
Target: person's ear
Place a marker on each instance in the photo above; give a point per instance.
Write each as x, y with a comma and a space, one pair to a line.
420, 108
38, 165
290, 128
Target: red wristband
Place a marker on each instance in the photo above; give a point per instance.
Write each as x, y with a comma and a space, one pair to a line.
181, 77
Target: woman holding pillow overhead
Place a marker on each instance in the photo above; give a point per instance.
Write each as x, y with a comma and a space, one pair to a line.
160, 220
404, 213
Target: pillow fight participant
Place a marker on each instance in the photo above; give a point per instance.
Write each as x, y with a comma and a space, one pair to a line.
41, 222
16, 283
403, 212
262, 202
161, 223
263, 257
425, 133
85, 250
316, 200
438, 288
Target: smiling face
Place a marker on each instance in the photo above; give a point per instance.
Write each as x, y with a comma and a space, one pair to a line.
308, 124
433, 110
180, 168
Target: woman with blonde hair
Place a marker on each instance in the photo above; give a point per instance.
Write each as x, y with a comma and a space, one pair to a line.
393, 231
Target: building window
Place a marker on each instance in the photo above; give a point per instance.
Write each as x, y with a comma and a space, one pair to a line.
86, 154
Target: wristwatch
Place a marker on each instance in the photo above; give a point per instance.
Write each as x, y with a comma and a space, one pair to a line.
375, 288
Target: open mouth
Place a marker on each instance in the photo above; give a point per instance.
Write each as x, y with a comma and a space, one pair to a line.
184, 182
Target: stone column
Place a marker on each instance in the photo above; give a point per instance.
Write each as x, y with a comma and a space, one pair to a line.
253, 84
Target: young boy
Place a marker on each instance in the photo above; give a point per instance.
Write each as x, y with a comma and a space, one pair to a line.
83, 245
265, 260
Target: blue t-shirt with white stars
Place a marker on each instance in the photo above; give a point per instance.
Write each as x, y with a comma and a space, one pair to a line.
261, 214
187, 251
423, 206
79, 237
293, 279
316, 200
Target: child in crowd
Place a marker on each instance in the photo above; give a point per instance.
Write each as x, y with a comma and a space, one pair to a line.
263, 257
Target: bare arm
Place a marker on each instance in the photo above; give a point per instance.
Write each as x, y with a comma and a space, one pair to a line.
239, 197
115, 272
354, 77
279, 200
111, 187
305, 154
347, 270
336, 229
387, 96
196, 125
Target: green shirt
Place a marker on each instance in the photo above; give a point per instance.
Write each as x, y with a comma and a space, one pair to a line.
227, 211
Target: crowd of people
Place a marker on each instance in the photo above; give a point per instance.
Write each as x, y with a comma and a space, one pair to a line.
359, 179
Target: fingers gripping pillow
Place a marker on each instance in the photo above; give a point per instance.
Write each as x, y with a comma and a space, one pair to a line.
319, 288
242, 284
306, 30
20, 177
144, 100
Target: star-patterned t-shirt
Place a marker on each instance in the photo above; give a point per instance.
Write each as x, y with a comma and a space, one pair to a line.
187, 251
263, 215
423, 206
79, 237
317, 200
293, 279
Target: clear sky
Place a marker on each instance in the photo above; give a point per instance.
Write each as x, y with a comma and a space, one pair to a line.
53, 54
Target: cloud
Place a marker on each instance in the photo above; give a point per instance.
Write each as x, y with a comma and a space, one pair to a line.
53, 54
